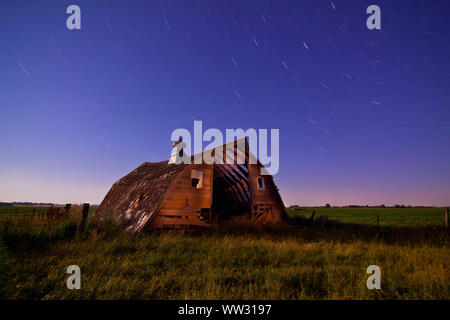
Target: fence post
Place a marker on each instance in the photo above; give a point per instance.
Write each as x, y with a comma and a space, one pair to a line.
84, 215
68, 206
446, 218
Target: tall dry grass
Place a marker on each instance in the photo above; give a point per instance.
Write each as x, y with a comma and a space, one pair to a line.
324, 259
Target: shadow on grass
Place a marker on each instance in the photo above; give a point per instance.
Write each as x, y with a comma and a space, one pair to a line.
324, 229
22, 236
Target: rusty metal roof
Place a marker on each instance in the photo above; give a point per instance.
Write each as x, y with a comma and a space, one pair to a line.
136, 197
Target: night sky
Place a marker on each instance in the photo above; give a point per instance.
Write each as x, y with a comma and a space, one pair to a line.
364, 115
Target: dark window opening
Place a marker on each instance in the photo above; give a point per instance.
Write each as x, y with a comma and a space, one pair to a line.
260, 183
194, 182
196, 179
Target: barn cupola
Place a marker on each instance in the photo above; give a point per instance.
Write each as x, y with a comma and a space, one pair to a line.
177, 151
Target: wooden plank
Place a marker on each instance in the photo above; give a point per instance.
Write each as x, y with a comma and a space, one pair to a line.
160, 221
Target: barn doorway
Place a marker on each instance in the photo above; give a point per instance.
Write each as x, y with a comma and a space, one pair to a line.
231, 194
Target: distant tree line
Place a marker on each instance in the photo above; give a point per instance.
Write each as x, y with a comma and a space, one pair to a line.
297, 207
8, 204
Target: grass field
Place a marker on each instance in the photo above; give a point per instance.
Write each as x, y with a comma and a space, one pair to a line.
404, 217
323, 259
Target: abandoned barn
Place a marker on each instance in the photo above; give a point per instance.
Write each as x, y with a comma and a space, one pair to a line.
167, 195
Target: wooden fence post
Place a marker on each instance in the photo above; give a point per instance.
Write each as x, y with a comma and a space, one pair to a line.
68, 206
84, 215
446, 218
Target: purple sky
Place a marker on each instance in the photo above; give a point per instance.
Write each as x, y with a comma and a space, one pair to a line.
364, 115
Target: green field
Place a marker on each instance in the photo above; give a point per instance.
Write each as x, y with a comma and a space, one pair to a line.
401, 217
321, 259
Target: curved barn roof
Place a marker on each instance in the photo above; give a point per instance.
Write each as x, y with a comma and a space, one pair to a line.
136, 197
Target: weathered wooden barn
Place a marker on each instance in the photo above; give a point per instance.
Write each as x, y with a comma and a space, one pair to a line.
165, 195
